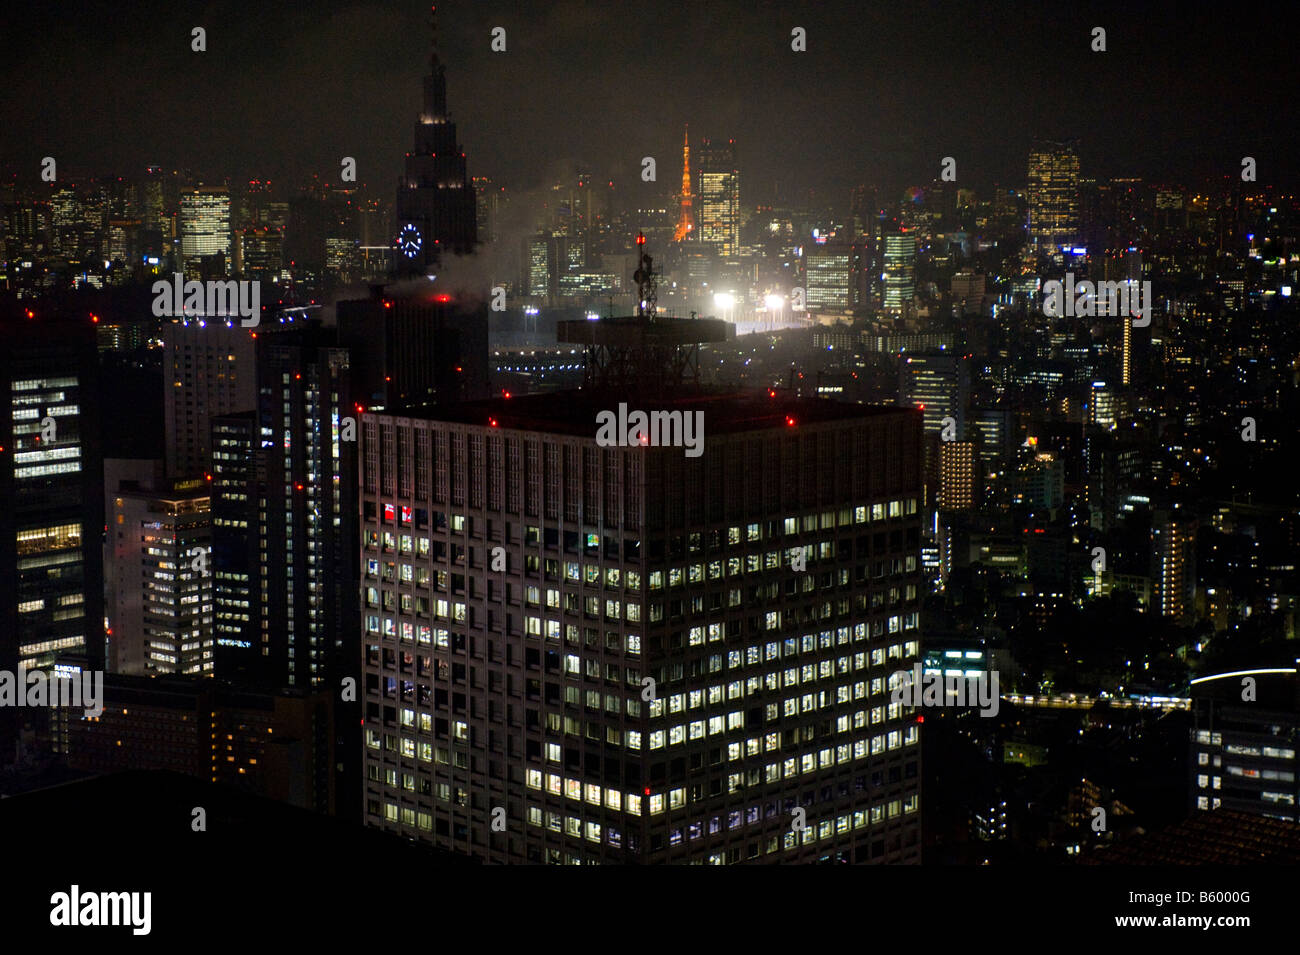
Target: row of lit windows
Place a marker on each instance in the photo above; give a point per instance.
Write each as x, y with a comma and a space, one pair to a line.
592, 831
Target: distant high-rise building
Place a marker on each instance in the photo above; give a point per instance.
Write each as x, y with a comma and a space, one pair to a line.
52, 517
937, 383
1173, 555
152, 210
542, 268
416, 349
899, 272
260, 253
307, 471
209, 369
237, 493
719, 197
1053, 191
959, 483
205, 226
828, 275
968, 291
159, 580
436, 205
1103, 406
490, 200
550, 576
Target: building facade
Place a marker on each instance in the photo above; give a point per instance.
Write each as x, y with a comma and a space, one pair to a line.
630, 655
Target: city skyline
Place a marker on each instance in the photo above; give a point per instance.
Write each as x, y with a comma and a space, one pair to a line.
892, 125
694, 436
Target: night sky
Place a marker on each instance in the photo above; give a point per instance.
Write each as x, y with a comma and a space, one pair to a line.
885, 90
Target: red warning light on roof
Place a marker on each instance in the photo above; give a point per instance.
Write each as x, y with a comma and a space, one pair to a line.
789, 421
492, 422
640, 240
443, 298
388, 305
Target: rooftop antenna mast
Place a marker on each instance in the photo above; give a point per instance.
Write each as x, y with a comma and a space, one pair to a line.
646, 285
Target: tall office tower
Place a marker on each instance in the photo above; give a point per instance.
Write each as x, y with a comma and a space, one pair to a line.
308, 531
1173, 557
993, 427
1126, 353
686, 217
522, 687
52, 517
828, 276
542, 279
435, 199
489, 203
160, 579
899, 276
237, 488
205, 229
209, 369
643, 654
938, 384
1124, 266
151, 201
863, 212
571, 221
415, 350
959, 483
1053, 190
1103, 406
719, 192
260, 253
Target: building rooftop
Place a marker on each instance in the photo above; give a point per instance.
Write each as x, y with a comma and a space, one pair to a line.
574, 412
1221, 837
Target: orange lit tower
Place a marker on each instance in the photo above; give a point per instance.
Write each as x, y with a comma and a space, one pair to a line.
685, 224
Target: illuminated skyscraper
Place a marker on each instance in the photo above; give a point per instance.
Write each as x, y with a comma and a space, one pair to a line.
160, 580
958, 475
1053, 191
205, 226
557, 626
52, 518
828, 277
521, 582
719, 192
938, 383
236, 549
1173, 555
1103, 406
900, 272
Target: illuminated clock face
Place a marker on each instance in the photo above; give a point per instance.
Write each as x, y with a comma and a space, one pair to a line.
409, 241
